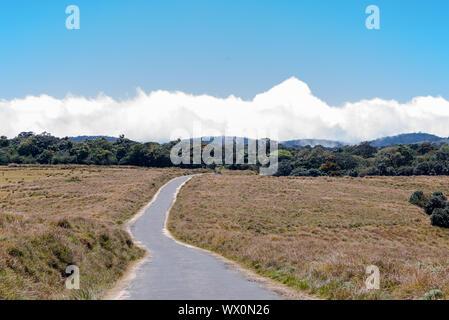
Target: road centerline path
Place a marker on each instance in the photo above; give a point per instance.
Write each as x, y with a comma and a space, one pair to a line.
179, 272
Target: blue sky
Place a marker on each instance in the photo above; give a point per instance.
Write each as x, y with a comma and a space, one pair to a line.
240, 47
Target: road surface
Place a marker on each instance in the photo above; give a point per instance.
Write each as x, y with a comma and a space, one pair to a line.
175, 271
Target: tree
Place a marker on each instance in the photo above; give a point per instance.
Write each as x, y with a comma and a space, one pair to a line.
284, 168
331, 168
4, 142
346, 161
138, 156
394, 157
45, 157
422, 169
28, 147
365, 149
311, 158
425, 148
80, 151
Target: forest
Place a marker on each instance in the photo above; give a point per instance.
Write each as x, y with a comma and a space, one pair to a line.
352, 160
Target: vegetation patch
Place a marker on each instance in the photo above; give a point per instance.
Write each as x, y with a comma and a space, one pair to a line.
55, 216
437, 207
360, 160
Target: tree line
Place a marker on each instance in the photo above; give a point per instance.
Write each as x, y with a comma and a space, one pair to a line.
365, 160
355, 160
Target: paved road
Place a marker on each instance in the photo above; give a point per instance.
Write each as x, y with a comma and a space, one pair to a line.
175, 271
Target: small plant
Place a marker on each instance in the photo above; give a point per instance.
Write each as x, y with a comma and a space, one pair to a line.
64, 223
418, 199
15, 252
74, 179
433, 295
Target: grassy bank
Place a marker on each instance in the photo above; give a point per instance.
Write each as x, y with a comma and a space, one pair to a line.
318, 235
55, 216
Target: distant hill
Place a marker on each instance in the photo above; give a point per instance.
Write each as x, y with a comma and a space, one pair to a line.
407, 138
83, 138
313, 142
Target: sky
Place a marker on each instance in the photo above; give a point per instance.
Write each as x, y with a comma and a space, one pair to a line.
199, 57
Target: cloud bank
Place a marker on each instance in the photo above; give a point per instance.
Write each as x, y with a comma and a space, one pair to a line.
290, 110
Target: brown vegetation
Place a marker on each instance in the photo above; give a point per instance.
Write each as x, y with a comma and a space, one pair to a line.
318, 235
51, 217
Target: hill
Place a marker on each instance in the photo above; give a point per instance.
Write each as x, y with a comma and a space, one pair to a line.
407, 138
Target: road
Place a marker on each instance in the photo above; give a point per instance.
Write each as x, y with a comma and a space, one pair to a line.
178, 272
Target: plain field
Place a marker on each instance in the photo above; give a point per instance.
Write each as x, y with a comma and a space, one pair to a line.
318, 235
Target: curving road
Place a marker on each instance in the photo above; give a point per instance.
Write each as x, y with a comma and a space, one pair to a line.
178, 272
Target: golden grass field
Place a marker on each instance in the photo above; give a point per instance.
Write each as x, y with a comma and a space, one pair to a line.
51, 217
318, 235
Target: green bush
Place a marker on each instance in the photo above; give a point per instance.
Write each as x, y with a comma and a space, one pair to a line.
437, 200
433, 295
440, 217
418, 199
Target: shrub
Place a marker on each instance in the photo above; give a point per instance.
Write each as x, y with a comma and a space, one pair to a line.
437, 200
64, 223
15, 252
440, 217
418, 199
433, 295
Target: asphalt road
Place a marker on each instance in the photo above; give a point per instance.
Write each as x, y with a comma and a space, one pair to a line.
175, 271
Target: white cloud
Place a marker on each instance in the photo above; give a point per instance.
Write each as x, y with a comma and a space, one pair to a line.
290, 108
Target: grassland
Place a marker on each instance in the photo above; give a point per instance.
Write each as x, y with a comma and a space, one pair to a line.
51, 217
318, 235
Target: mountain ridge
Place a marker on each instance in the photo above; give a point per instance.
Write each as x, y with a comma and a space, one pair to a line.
405, 138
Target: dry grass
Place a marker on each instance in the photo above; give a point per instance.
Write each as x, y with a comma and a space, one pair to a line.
51, 217
318, 235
